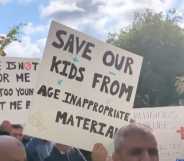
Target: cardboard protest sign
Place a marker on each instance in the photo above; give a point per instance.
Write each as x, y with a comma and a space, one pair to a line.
17, 82
168, 127
85, 89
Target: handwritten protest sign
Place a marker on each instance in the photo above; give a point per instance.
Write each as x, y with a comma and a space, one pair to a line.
168, 126
85, 89
17, 82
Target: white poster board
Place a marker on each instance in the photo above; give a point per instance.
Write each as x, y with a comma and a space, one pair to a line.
168, 126
17, 82
85, 89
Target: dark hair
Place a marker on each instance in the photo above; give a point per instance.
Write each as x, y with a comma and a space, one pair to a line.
2, 132
17, 126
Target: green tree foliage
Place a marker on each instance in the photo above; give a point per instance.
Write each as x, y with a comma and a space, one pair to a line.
160, 41
11, 36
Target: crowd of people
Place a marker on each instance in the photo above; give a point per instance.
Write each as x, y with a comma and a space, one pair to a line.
134, 142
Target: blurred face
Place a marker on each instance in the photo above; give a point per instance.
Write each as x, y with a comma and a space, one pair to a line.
138, 148
6, 125
17, 133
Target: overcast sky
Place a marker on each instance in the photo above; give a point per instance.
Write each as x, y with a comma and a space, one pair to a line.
93, 17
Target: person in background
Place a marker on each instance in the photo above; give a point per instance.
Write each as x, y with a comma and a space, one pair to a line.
17, 131
135, 142
5, 127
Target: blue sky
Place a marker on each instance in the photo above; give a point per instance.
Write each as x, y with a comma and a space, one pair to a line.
95, 17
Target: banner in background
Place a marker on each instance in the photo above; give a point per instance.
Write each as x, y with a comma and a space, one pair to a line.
168, 126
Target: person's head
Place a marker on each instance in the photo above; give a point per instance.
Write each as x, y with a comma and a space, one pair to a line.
11, 149
135, 142
17, 131
6, 126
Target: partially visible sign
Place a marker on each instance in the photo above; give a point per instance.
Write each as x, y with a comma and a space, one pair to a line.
17, 83
168, 125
